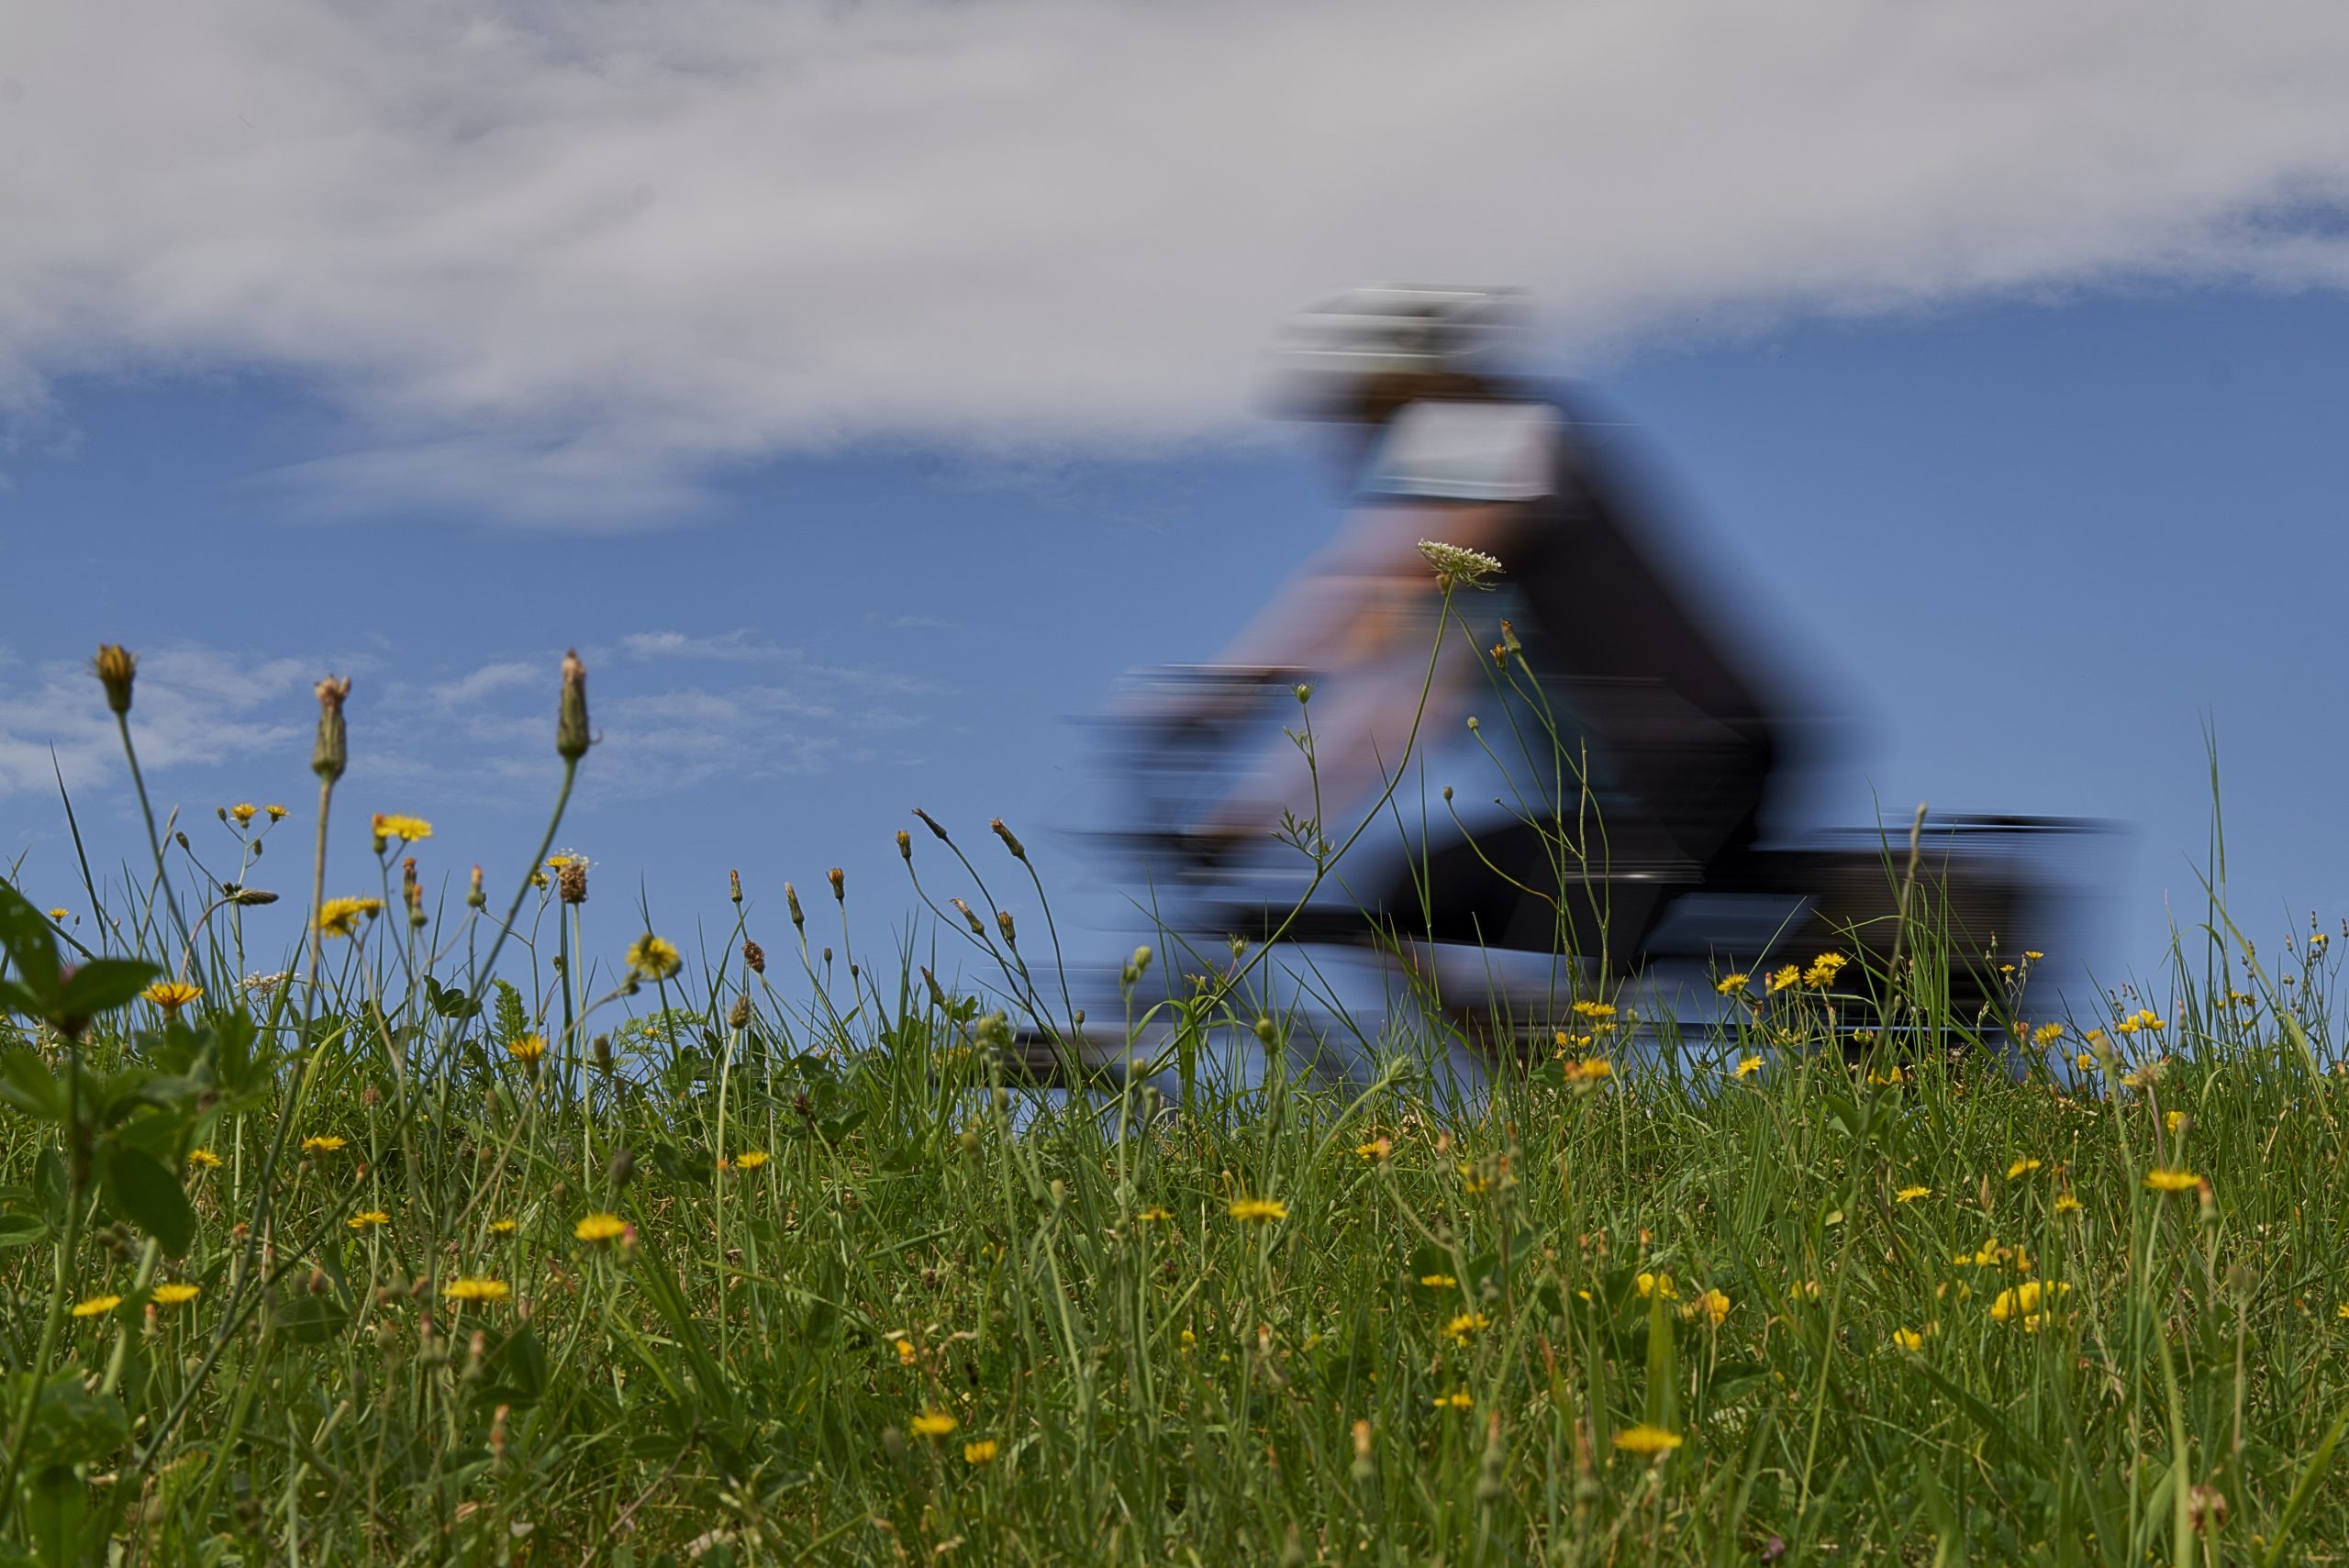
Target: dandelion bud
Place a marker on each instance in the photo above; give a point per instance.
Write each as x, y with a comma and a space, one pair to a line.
572, 882
977, 928
1010, 840
1447, 791
116, 667
252, 897
474, 896
1140, 961
622, 1169
570, 736
791, 897
937, 992
734, 886
839, 885
1003, 922
182, 839
331, 753
755, 958
497, 1431
476, 1354
931, 823
1508, 638
905, 846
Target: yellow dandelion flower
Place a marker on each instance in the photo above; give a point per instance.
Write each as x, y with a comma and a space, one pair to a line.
1155, 1215
96, 1306
1590, 1070
2046, 1035
1458, 1401
528, 1050
600, 1227
1823, 971
2173, 1120
2161, 1181
324, 1143
2067, 1204
174, 1295
474, 1288
1595, 1009
1657, 1284
367, 1219
1258, 1210
1782, 978
1749, 1067
1375, 1149
1732, 984
61, 915
1908, 1340
1439, 1281
501, 1227
408, 829
933, 1424
172, 994
980, 1452
339, 916
752, 1161
2084, 1062
1911, 1195
244, 811
653, 959
906, 1354
2023, 1166
1643, 1438
1465, 1327
203, 1159
2342, 1311
277, 813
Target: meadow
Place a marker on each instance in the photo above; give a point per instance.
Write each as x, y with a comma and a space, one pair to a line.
500, 1229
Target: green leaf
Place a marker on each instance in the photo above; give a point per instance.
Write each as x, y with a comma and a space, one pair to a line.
21, 1230
136, 1184
27, 1083
513, 1018
50, 1185
30, 945
103, 985
515, 1371
70, 1425
312, 1319
450, 1002
56, 1502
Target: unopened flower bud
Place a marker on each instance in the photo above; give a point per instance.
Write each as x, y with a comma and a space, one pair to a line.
1003, 922
252, 897
474, 896
791, 897
571, 736
1304, 691
1010, 840
937, 992
331, 753
905, 846
116, 667
622, 1169
1140, 961
931, 823
839, 885
734, 886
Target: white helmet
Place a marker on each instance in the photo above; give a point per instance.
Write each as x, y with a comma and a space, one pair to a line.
1324, 356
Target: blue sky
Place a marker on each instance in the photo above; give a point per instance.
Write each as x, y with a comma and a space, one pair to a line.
861, 393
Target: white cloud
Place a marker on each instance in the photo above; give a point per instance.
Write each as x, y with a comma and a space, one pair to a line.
560, 263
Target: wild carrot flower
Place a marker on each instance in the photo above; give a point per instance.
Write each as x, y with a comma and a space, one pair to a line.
600, 1228
1258, 1210
2023, 1166
367, 1219
1643, 1438
980, 1452
174, 1295
653, 959
339, 916
933, 1424
2161, 1181
324, 1143
203, 1159
751, 1160
1457, 564
1465, 1327
473, 1287
96, 1306
172, 994
1908, 1340
1911, 1195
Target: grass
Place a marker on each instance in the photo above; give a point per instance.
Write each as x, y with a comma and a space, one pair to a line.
429, 1245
